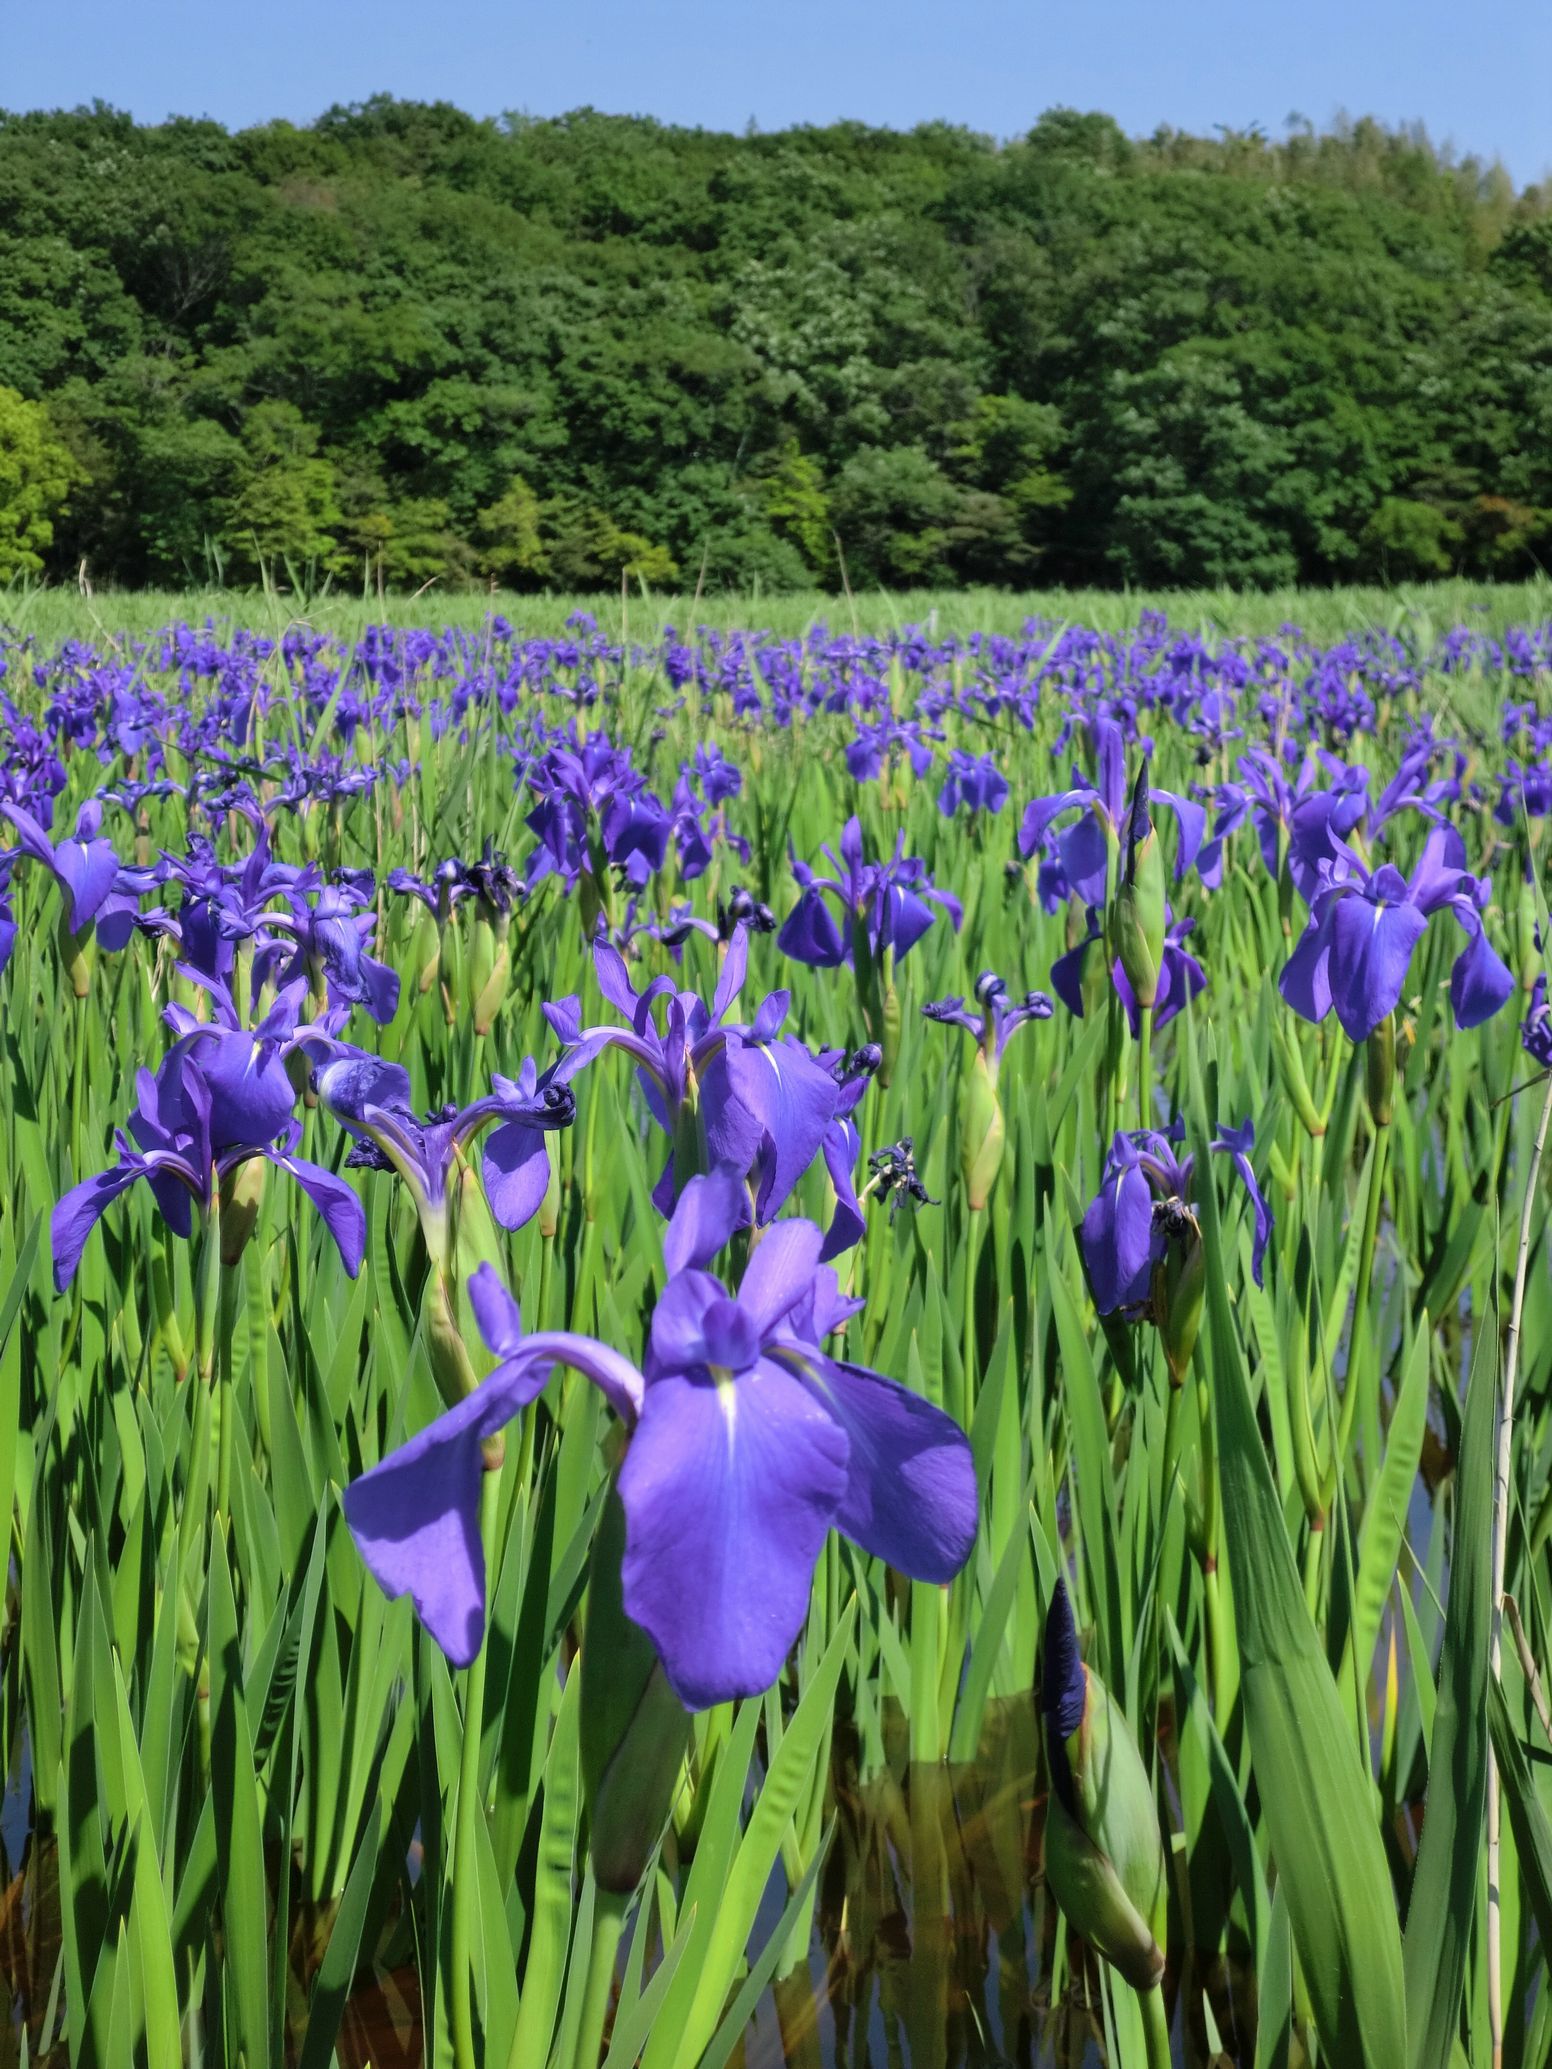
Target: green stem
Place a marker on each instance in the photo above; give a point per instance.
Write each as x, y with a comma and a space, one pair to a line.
1155, 2026
972, 1258
608, 1924
1359, 1337
1145, 1066
226, 1397
78, 1088
465, 1857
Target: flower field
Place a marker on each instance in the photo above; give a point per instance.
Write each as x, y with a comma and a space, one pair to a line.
820, 1347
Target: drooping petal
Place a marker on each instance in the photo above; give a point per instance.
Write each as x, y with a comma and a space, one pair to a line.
728, 1489
516, 1169
1305, 979
810, 935
496, 1313
415, 1517
1480, 981
910, 1479
1371, 949
343, 1215
79, 1212
847, 1227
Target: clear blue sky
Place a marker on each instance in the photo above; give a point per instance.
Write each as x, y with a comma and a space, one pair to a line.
1478, 76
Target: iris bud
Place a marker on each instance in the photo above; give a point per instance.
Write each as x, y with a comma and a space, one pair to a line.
1138, 919
1104, 1859
982, 1133
634, 1731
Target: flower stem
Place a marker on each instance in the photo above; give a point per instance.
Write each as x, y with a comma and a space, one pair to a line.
1155, 2026
226, 1395
465, 1856
1145, 1066
608, 1924
1358, 1337
1501, 1472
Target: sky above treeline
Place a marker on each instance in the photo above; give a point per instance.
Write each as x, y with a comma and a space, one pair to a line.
1477, 81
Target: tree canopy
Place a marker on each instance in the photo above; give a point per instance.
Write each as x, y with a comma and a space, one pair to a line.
402, 343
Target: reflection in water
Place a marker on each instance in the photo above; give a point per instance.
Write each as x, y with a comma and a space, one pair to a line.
933, 1947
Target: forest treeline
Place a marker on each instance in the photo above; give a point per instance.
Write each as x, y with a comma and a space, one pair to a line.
402, 343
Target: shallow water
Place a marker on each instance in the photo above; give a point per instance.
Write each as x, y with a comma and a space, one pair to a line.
932, 1946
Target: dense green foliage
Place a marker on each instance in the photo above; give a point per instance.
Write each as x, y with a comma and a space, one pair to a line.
403, 344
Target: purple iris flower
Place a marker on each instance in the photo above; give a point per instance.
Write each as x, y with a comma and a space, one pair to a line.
749, 1096
1144, 1203
371, 1097
877, 747
1536, 1027
974, 783
85, 866
1272, 801
220, 1097
447, 886
7, 916
595, 808
1086, 847
739, 909
887, 905
1364, 924
330, 947
749, 1441
997, 1021
842, 1144
719, 779
1181, 976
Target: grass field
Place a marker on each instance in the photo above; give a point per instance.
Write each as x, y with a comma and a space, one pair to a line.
1325, 614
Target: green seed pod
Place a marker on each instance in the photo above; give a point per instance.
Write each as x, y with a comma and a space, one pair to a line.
242, 1199
1291, 1073
634, 1731
77, 952
1179, 1281
488, 1001
1380, 1071
982, 1133
1104, 1859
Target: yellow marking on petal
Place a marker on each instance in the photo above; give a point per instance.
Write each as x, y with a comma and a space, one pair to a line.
726, 1392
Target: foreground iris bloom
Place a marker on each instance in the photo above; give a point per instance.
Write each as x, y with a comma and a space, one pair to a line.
748, 1443
1355, 952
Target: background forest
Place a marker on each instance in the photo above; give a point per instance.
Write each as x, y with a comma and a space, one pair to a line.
403, 344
